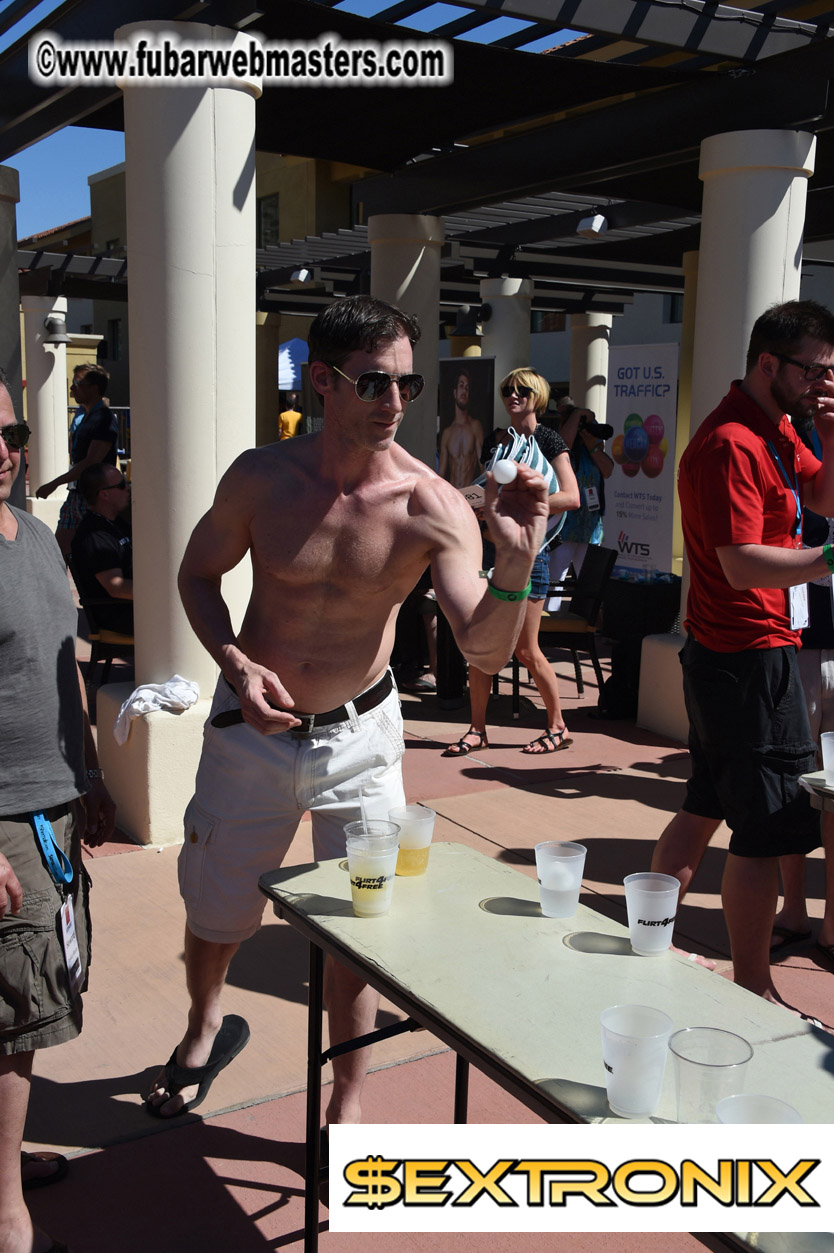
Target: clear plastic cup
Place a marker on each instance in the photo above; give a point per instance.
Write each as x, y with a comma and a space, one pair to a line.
635, 1045
752, 1107
827, 754
416, 825
651, 902
559, 867
709, 1065
372, 860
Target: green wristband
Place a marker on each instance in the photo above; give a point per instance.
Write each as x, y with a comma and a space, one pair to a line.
501, 595
828, 556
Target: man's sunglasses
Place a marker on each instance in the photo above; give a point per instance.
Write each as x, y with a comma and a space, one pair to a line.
17, 436
813, 372
373, 384
115, 487
516, 389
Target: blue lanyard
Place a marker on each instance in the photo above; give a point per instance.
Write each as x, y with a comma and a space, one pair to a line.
793, 488
56, 859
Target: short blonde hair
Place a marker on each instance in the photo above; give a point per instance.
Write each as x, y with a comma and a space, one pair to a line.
526, 376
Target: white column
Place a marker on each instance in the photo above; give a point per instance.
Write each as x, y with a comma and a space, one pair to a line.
405, 271
506, 334
190, 186
46, 404
755, 188
590, 337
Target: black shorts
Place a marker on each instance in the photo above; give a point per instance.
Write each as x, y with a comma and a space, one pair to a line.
750, 740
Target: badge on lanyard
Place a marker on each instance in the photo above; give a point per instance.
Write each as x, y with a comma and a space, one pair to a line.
591, 498
799, 607
58, 865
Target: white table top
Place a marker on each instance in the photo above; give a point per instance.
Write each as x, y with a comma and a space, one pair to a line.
468, 943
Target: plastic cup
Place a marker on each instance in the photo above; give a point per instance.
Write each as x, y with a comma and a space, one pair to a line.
416, 825
651, 902
827, 752
710, 1064
372, 861
635, 1041
559, 868
752, 1107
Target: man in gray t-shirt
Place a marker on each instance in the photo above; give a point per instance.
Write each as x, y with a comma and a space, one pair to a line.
51, 792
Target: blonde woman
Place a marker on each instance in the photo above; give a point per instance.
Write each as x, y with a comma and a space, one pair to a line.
525, 394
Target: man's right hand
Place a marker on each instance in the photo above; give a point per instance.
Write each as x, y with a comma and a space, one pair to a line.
46, 490
258, 690
11, 893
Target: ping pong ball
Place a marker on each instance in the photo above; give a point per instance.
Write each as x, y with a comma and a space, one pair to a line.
505, 471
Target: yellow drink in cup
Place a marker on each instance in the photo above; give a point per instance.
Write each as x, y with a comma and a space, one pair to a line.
372, 859
411, 861
371, 883
416, 825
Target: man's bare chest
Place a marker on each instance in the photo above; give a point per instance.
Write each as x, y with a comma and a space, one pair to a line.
340, 545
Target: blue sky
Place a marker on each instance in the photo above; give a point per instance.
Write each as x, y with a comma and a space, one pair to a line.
53, 173
53, 176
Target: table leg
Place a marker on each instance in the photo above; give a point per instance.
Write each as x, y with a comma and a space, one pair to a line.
461, 1088
313, 1156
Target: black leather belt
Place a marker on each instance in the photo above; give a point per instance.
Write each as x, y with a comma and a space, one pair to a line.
310, 723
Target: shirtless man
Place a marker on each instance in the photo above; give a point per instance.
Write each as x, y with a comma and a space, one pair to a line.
339, 526
461, 442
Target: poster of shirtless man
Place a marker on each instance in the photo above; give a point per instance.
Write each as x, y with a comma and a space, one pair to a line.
466, 386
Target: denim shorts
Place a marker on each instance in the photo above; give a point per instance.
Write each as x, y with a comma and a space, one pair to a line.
539, 577
251, 793
36, 1006
749, 741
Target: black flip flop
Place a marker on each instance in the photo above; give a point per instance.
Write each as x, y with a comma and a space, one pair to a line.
43, 1181
232, 1037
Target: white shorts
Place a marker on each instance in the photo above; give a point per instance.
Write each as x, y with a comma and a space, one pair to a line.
251, 793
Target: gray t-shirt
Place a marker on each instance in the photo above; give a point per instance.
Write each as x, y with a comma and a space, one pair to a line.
41, 717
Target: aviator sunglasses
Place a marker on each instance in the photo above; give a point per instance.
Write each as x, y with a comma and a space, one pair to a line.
16, 436
516, 389
373, 384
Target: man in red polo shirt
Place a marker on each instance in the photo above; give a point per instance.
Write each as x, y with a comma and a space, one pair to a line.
743, 480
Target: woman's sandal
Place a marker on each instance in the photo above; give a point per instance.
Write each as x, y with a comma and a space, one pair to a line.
551, 741
462, 749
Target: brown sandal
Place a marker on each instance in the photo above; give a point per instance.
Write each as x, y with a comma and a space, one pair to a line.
462, 749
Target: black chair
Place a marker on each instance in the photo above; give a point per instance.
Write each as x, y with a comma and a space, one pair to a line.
105, 645
575, 628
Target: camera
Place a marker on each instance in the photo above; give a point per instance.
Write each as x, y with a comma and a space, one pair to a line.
599, 430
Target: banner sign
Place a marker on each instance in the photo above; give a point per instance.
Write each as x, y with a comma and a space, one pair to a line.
640, 494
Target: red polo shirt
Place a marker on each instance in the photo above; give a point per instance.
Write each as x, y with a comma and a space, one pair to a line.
732, 491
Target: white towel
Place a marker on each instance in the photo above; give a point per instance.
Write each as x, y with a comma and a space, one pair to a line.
177, 694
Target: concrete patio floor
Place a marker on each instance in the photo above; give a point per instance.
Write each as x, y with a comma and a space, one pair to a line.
231, 1179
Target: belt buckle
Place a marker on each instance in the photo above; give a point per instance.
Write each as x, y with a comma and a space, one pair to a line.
308, 722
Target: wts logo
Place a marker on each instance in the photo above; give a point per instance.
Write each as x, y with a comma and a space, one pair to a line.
632, 546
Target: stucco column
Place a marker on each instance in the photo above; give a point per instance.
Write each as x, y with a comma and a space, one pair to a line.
405, 270
190, 189
590, 338
506, 334
755, 188
46, 404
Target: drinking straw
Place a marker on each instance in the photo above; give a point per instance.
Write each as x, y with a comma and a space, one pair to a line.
362, 808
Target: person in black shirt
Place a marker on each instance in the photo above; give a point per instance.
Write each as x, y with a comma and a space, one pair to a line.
93, 441
525, 394
102, 556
